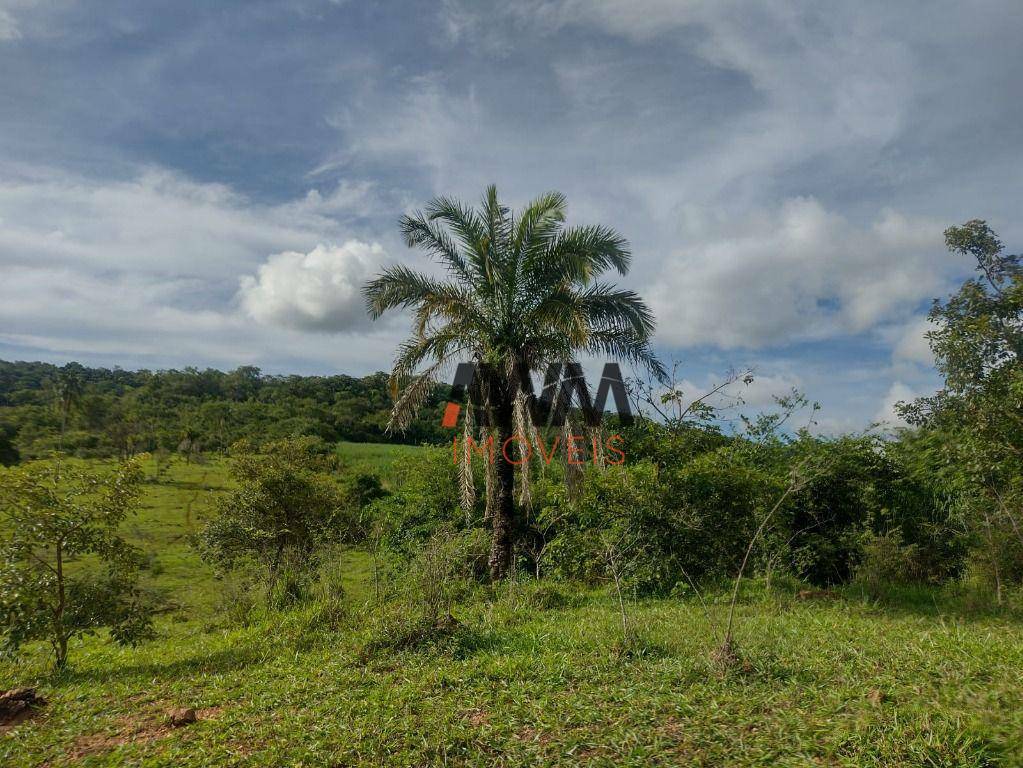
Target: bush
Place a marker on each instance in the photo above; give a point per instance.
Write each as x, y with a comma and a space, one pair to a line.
623, 498
332, 609
291, 583
286, 505
431, 580
237, 598
8, 453
427, 500
397, 629
995, 562
444, 569
668, 526
548, 597
359, 489
885, 560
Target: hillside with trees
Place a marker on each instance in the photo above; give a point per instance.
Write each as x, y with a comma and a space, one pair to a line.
99, 412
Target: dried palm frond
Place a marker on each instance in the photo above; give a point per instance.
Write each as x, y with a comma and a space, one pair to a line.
596, 437
573, 471
523, 425
411, 400
467, 483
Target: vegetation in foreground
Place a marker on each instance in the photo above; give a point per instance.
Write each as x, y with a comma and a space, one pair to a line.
528, 672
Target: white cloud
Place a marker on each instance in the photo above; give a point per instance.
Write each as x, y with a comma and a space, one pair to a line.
146, 270
318, 290
156, 221
838, 66
67, 314
911, 346
423, 123
745, 397
798, 272
8, 26
887, 415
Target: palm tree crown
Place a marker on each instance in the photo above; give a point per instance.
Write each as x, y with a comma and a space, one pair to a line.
518, 288
521, 289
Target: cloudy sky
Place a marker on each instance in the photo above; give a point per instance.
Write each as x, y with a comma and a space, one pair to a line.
211, 186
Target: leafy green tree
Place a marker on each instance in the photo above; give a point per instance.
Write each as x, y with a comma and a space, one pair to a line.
53, 535
977, 342
121, 413
519, 289
285, 504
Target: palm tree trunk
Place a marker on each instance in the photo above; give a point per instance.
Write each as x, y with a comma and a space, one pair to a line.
504, 509
65, 411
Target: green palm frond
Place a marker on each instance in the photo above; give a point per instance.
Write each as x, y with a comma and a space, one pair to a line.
580, 254
539, 222
604, 305
412, 398
401, 287
468, 227
520, 287
628, 348
421, 232
438, 347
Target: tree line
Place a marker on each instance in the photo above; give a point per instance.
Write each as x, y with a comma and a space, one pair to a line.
99, 412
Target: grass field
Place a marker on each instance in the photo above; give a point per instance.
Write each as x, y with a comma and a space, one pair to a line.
382, 458
822, 682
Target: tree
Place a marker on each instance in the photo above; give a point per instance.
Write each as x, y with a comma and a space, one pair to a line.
284, 505
46, 527
520, 290
977, 341
69, 388
8, 453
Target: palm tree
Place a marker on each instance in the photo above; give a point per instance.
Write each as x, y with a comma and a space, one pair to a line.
519, 290
68, 389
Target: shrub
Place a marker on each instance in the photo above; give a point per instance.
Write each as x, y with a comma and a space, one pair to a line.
548, 597
286, 504
621, 498
332, 609
427, 500
8, 453
397, 629
885, 560
237, 598
51, 519
359, 489
291, 583
443, 570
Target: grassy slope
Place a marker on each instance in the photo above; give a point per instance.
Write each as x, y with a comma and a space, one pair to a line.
379, 457
831, 683
174, 506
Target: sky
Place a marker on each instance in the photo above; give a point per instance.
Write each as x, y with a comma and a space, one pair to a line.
211, 185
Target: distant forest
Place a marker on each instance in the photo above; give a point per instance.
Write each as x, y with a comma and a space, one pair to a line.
114, 412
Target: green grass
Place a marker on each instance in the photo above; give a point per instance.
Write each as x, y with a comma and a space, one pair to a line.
830, 682
173, 509
382, 458
175, 504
